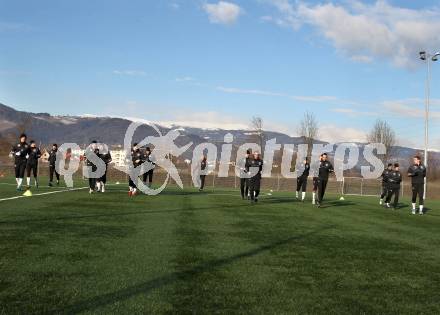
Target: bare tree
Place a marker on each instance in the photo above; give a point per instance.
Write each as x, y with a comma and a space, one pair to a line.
383, 133
257, 131
308, 130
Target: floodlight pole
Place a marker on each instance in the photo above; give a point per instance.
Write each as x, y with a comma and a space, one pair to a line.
427, 57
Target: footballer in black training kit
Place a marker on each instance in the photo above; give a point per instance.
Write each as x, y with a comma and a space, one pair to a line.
395, 180
52, 165
255, 169
325, 168
20, 152
385, 182
32, 163
417, 173
301, 181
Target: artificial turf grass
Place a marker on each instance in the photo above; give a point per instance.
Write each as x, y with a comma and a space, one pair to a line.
185, 252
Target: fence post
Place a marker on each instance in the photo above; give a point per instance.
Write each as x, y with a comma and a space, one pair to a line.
343, 186
278, 182
362, 187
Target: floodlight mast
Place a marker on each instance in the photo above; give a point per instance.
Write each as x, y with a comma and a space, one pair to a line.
428, 58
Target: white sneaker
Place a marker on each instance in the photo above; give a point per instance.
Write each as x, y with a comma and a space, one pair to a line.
421, 212
381, 202
90, 191
102, 188
413, 211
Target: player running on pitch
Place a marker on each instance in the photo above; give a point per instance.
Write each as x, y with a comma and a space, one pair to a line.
301, 181
244, 180
254, 169
32, 163
106, 157
203, 166
325, 168
93, 167
417, 172
147, 177
52, 162
20, 153
137, 160
385, 182
395, 179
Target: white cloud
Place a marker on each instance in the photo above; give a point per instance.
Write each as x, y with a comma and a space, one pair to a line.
233, 90
352, 112
334, 133
130, 72
303, 98
365, 32
411, 108
362, 58
223, 12
14, 72
175, 6
14, 27
184, 79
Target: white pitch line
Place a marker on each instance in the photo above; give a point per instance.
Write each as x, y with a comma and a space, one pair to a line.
41, 194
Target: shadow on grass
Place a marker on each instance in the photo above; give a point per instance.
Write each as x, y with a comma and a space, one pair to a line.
128, 213
148, 286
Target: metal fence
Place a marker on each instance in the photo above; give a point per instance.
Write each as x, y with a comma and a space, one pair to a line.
348, 186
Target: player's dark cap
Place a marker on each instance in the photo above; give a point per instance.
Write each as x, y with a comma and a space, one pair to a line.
324, 154
55, 145
94, 141
135, 144
23, 135
418, 157
396, 164
248, 151
390, 164
147, 149
32, 141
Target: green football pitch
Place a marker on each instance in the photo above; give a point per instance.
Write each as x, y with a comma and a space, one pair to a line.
187, 252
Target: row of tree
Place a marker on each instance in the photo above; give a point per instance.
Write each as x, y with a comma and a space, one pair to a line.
308, 129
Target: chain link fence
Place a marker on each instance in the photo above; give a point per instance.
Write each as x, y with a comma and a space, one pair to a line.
348, 186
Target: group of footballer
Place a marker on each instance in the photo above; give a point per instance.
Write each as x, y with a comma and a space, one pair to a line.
26, 158
391, 183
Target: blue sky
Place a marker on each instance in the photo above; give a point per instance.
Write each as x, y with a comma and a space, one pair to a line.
218, 63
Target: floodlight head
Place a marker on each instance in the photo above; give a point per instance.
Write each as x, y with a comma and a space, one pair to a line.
436, 56
422, 55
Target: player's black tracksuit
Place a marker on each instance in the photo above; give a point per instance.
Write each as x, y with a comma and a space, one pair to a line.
203, 165
32, 162
92, 180
325, 168
395, 178
301, 181
255, 168
107, 159
148, 176
244, 181
52, 162
417, 174
385, 183
20, 152
137, 159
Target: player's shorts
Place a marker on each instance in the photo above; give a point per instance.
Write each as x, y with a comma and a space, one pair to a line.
20, 168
